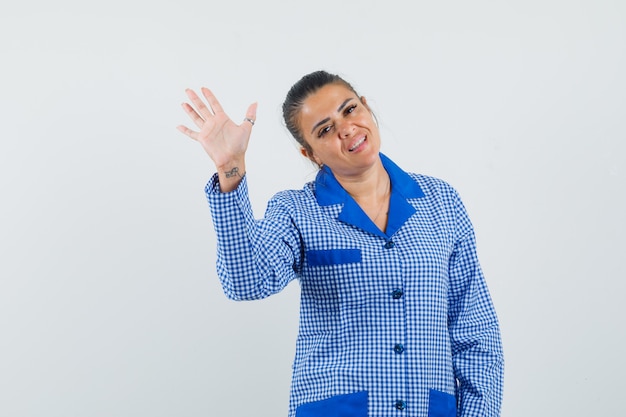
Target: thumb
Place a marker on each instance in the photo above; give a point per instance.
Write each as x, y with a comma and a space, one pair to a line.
250, 118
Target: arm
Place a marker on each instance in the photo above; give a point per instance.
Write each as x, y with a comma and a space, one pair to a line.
255, 258
474, 330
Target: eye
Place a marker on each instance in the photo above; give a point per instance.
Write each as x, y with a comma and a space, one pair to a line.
323, 131
350, 109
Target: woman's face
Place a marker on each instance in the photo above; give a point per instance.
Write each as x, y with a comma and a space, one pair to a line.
340, 130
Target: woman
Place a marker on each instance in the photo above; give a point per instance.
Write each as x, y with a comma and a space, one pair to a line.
395, 317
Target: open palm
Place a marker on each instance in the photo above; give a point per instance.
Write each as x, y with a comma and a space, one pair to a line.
220, 137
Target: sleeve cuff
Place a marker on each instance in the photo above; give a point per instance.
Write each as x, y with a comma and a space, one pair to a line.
213, 186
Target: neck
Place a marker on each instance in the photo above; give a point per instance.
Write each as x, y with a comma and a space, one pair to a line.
370, 184
371, 191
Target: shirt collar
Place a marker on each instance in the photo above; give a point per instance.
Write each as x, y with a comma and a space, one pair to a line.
328, 192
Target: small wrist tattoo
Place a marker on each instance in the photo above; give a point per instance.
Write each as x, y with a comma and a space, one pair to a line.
233, 173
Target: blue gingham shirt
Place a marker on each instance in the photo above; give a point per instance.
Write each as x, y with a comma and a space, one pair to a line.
395, 323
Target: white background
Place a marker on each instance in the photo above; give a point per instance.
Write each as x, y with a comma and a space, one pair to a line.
109, 301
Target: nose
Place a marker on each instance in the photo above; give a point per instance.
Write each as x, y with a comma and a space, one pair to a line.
345, 129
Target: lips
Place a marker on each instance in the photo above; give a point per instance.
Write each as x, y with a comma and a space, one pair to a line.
357, 144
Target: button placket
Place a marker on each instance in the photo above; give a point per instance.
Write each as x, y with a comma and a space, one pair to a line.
397, 293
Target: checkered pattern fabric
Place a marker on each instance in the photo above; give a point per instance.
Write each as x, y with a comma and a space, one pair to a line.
403, 316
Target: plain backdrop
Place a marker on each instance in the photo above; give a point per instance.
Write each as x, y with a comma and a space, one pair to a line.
109, 300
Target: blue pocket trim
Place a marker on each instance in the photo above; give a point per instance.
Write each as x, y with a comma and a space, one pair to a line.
441, 404
345, 405
333, 256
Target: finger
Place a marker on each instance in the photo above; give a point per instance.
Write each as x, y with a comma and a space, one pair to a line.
251, 113
188, 132
250, 118
195, 117
212, 100
205, 112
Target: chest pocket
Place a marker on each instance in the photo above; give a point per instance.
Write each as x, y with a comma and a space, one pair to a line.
333, 256
333, 277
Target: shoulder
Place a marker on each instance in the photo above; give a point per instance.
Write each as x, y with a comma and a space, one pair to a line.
435, 187
306, 192
294, 199
439, 193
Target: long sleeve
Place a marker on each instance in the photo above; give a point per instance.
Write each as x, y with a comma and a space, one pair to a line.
474, 331
255, 258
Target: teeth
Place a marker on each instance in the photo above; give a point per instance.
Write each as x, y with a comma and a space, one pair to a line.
356, 145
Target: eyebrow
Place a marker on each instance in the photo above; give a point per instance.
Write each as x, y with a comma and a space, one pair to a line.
341, 106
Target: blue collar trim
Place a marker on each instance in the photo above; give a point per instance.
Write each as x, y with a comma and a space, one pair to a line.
328, 192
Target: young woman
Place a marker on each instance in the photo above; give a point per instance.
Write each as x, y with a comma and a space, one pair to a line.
396, 318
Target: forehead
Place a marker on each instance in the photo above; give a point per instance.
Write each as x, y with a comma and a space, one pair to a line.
325, 102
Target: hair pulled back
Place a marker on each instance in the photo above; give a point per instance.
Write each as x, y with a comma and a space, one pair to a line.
299, 92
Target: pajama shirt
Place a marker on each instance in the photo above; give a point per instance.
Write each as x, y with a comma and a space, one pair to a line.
395, 323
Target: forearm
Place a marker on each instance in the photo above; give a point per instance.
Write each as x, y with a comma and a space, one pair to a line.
479, 370
255, 257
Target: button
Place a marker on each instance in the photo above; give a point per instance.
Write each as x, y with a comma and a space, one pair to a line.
397, 293
389, 244
398, 348
400, 405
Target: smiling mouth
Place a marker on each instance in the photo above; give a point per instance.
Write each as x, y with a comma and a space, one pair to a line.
357, 144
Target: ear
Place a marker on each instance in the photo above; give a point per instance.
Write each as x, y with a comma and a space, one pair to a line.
310, 156
364, 102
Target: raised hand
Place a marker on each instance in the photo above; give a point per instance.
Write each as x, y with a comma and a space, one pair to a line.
223, 140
